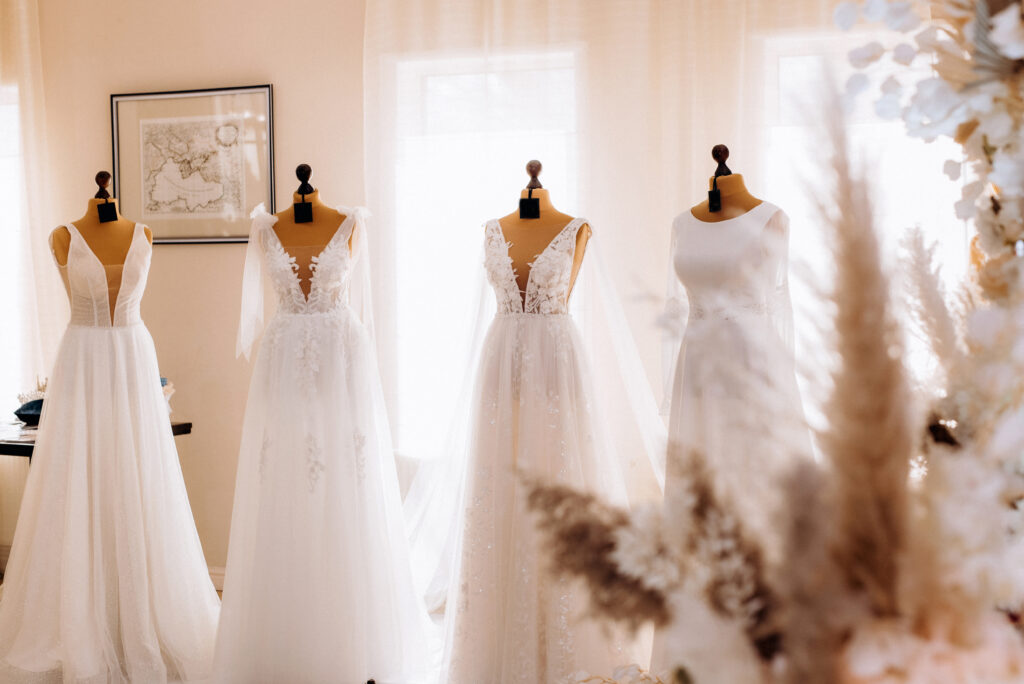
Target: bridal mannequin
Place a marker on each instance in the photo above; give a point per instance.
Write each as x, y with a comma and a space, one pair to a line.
109, 241
528, 237
736, 199
306, 240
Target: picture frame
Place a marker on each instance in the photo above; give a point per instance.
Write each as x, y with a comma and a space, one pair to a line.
192, 164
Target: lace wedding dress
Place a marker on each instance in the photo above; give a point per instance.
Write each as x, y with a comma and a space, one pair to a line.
734, 397
106, 581
509, 619
318, 587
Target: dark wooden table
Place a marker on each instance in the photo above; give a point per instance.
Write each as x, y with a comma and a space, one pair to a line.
14, 444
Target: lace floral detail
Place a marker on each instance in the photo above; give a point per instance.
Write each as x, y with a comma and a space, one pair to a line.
314, 461
549, 281
330, 270
547, 289
500, 270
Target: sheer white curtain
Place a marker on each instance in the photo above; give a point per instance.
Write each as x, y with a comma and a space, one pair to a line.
621, 100
33, 306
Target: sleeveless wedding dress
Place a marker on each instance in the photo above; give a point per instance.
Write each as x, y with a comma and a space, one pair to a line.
735, 403
318, 587
509, 619
106, 581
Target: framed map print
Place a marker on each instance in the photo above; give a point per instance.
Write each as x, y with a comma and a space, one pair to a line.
192, 164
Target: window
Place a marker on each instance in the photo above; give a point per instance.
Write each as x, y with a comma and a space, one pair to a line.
464, 130
12, 265
907, 173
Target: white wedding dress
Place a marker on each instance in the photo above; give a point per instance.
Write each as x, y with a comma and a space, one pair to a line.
734, 396
106, 582
509, 619
318, 587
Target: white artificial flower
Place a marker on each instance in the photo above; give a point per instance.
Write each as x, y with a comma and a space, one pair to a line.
928, 38
866, 54
891, 86
845, 15
951, 169
1008, 32
902, 17
856, 84
888, 107
1007, 173
935, 109
875, 10
997, 127
965, 209
904, 54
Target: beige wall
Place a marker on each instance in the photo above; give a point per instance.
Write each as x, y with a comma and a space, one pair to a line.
312, 54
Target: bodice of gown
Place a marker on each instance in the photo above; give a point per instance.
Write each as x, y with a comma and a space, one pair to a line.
550, 278
330, 270
89, 287
731, 267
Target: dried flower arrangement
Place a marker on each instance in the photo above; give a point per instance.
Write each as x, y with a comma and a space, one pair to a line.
884, 577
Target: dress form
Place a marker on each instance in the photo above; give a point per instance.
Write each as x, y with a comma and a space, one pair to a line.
528, 237
306, 240
109, 241
736, 199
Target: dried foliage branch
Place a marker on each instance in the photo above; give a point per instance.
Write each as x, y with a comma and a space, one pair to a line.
581, 532
719, 544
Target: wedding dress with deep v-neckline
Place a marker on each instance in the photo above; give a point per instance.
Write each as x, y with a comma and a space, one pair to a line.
509, 620
106, 582
318, 587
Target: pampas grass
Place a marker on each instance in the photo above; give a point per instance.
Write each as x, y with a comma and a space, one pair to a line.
928, 303
869, 438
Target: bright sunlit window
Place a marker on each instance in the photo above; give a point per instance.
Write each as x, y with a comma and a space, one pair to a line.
465, 128
12, 235
910, 187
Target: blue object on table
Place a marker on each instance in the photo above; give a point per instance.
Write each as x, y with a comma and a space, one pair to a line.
29, 412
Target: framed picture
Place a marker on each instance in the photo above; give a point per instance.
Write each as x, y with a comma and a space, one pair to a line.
191, 164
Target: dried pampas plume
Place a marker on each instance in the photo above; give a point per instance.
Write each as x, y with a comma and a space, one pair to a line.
581, 532
928, 302
870, 434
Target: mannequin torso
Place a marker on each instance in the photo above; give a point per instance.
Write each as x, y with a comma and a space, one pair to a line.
529, 237
736, 200
108, 241
306, 240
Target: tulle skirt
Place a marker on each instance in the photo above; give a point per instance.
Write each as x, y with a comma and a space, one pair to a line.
318, 587
508, 618
106, 582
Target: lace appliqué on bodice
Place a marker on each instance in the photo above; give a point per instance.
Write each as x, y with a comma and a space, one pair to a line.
328, 285
550, 278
